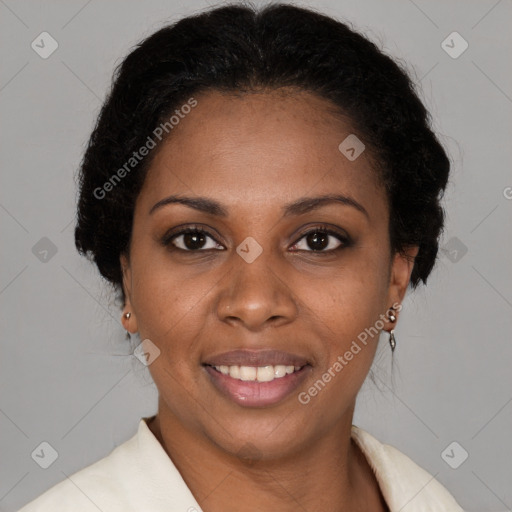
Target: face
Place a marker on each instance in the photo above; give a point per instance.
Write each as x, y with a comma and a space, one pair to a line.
238, 271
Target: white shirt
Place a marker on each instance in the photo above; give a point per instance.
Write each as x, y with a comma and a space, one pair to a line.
139, 476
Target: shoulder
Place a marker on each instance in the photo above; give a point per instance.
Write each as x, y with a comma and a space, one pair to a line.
136, 475
405, 485
100, 486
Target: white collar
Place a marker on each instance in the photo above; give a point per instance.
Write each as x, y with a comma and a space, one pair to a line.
139, 475
406, 487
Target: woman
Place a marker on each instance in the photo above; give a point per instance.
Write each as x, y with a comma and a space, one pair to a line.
262, 187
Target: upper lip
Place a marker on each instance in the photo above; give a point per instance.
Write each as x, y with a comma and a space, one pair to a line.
245, 357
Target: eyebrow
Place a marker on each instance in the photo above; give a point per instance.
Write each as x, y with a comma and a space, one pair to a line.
298, 207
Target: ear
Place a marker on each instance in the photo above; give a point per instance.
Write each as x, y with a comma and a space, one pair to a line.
400, 275
130, 323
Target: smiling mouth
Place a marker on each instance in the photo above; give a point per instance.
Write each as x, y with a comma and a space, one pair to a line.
266, 373
257, 378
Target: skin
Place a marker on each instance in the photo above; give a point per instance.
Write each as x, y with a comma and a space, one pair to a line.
254, 154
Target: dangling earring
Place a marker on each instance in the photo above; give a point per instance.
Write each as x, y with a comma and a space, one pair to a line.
127, 316
392, 319
392, 340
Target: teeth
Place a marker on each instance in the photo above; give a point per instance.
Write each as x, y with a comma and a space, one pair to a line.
265, 374
279, 371
257, 373
248, 372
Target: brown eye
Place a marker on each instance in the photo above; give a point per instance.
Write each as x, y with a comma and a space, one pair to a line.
321, 240
318, 241
192, 240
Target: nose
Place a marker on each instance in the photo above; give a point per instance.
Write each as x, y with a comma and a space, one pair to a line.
256, 296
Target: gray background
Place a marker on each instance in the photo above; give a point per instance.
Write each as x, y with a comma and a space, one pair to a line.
67, 375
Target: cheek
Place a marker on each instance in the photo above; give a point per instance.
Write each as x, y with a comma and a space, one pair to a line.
171, 303
345, 313
349, 298
345, 310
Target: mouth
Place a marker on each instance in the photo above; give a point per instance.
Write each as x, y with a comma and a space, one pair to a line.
257, 378
257, 373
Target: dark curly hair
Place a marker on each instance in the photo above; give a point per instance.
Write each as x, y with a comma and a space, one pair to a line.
239, 48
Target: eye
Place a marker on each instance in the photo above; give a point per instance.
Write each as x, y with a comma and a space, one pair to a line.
321, 239
192, 239
196, 239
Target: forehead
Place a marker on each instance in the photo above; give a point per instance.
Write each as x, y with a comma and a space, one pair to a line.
260, 148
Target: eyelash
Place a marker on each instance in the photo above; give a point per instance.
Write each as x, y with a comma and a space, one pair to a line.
170, 237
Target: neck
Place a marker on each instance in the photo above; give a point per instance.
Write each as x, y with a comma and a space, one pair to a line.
301, 480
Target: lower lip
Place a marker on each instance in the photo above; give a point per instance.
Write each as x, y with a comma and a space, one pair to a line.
257, 394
